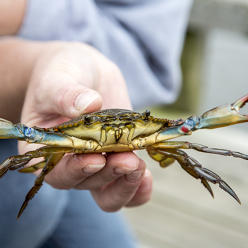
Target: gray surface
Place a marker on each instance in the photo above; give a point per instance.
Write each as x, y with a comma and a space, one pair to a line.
225, 14
182, 214
225, 76
223, 24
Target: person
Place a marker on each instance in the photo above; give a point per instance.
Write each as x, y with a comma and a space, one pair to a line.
60, 80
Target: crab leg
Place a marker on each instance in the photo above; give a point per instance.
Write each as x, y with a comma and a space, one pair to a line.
18, 161
8, 130
51, 161
194, 168
32, 168
162, 158
200, 148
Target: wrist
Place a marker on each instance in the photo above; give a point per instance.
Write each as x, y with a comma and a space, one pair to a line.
11, 16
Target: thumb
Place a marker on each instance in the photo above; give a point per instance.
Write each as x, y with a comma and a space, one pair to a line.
61, 85
65, 98
71, 100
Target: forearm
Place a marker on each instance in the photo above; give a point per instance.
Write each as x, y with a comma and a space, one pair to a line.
11, 16
16, 64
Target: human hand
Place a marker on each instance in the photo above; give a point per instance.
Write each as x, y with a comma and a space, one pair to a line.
71, 79
11, 16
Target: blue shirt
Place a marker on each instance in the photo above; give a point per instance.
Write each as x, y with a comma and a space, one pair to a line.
143, 37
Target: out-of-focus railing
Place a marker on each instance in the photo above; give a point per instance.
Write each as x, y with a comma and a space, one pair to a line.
225, 14
215, 54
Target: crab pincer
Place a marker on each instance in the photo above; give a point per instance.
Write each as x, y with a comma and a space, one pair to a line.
224, 115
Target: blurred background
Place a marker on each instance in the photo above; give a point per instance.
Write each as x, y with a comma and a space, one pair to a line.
181, 212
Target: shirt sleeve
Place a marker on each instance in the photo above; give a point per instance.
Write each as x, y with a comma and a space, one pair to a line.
143, 37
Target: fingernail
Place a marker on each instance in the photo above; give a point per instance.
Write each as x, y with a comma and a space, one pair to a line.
84, 100
92, 168
134, 176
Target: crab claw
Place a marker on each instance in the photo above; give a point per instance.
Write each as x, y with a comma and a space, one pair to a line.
8, 130
223, 115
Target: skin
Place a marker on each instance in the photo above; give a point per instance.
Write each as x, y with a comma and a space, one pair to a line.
68, 70
11, 16
59, 82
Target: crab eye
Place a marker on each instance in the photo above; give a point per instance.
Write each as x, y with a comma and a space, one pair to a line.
146, 115
88, 119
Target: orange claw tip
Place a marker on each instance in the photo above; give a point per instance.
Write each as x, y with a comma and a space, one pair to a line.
240, 103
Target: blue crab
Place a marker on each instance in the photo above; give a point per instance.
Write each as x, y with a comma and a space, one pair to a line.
119, 130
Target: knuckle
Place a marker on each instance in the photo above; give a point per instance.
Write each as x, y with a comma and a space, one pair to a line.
60, 186
61, 98
113, 73
110, 208
80, 186
57, 183
146, 198
139, 201
65, 97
